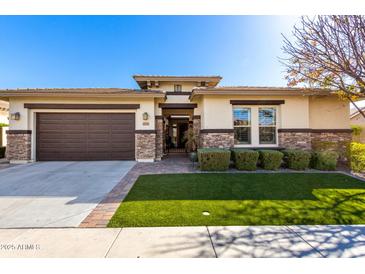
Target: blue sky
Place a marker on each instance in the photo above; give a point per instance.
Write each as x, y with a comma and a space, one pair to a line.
105, 51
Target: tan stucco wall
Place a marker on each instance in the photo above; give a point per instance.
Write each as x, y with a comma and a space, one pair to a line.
25, 122
217, 111
328, 112
28, 116
169, 86
177, 99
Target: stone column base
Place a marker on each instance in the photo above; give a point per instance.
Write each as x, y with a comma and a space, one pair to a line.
19, 145
159, 137
145, 145
196, 128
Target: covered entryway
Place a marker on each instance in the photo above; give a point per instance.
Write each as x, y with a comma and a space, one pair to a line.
85, 136
177, 119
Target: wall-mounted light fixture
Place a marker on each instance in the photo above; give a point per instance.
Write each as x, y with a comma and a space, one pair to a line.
145, 116
15, 116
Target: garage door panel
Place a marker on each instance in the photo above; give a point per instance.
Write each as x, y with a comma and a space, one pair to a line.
64, 139
64, 146
62, 117
85, 136
98, 137
63, 127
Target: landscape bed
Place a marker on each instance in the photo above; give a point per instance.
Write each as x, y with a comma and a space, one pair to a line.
242, 199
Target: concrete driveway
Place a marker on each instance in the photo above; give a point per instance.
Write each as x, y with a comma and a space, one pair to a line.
55, 194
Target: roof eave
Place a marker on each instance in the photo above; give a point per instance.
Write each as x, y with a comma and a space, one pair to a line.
258, 92
7, 95
141, 79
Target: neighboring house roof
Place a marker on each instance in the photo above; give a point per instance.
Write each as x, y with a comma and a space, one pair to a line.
80, 92
249, 90
355, 112
142, 80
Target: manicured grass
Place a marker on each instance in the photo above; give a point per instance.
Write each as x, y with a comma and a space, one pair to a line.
242, 199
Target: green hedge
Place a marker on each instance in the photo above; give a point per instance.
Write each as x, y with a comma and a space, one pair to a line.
324, 160
297, 159
357, 156
341, 147
214, 158
245, 159
2, 152
270, 159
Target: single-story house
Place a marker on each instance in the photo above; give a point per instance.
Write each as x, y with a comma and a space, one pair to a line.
145, 124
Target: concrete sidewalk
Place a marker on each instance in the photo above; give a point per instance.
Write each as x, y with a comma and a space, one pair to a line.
188, 242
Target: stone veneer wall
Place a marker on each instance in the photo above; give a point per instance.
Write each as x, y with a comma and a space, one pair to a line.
19, 143
216, 140
196, 128
145, 145
159, 138
317, 139
297, 140
337, 141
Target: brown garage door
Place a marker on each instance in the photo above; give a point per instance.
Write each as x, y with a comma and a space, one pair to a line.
85, 136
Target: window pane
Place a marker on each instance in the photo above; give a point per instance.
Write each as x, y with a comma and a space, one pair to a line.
242, 135
267, 135
177, 88
267, 117
242, 116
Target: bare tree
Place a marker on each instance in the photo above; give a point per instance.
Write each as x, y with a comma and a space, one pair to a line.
328, 52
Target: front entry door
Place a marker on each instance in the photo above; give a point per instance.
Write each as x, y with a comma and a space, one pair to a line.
175, 135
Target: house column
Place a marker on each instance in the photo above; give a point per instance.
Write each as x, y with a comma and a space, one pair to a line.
159, 137
196, 128
19, 145
145, 145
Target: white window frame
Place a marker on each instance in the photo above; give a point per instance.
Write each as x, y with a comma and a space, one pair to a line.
177, 88
247, 126
255, 138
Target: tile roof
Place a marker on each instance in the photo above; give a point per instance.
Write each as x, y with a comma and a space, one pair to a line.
354, 112
78, 91
176, 76
97, 90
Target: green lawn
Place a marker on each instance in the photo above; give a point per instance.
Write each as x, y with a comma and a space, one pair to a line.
242, 199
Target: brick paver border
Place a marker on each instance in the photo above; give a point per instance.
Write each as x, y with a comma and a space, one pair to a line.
104, 211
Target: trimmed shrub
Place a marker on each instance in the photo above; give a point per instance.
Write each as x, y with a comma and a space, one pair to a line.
270, 159
2, 152
214, 158
297, 159
340, 147
324, 160
357, 156
245, 159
